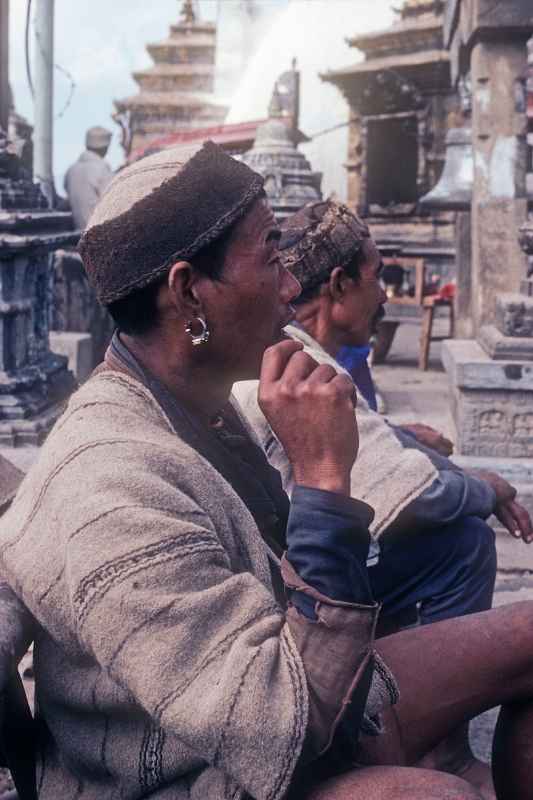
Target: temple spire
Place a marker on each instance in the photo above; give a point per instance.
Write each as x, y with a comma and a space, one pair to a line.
176, 92
414, 8
188, 14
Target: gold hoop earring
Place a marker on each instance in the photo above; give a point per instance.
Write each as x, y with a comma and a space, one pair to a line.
198, 338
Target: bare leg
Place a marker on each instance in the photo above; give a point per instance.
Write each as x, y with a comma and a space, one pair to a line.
455, 577
394, 783
513, 733
455, 756
452, 670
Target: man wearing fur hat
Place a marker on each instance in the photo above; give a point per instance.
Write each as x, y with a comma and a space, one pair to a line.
197, 636
87, 178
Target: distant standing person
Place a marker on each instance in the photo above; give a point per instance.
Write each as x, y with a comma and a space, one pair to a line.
86, 180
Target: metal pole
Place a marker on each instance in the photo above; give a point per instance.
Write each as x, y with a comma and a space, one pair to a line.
43, 60
4, 63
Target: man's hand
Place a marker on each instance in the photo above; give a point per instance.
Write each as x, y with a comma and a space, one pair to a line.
431, 438
503, 490
511, 514
516, 519
310, 408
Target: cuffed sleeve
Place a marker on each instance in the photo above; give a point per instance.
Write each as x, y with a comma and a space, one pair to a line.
16, 632
336, 650
328, 541
451, 496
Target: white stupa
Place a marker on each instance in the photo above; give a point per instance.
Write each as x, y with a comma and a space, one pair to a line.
313, 32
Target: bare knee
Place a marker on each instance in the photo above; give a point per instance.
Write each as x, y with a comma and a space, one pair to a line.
395, 783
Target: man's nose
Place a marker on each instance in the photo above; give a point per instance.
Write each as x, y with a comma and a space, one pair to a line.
290, 286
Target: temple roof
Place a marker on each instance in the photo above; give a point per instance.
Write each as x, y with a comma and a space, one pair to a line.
415, 61
172, 49
430, 66
393, 83
175, 70
236, 138
170, 100
410, 33
412, 7
411, 53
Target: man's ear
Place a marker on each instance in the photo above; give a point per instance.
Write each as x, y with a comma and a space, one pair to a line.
183, 282
337, 284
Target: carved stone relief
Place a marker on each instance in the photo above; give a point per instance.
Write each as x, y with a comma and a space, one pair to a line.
494, 424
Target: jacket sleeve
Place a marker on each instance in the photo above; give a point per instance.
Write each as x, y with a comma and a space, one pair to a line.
332, 614
16, 632
203, 649
337, 651
451, 496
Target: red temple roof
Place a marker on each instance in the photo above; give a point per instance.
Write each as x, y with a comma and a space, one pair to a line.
236, 137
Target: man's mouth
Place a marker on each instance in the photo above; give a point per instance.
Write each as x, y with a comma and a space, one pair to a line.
290, 315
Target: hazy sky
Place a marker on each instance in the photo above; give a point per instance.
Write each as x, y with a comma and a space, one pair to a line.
100, 43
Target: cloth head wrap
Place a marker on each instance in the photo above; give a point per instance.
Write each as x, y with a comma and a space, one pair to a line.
318, 238
97, 137
162, 209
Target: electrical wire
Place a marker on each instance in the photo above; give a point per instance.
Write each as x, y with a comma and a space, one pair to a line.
329, 130
58, 67
68, 75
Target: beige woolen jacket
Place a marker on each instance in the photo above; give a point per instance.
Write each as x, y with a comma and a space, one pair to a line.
385, 475
85, 183
163, 664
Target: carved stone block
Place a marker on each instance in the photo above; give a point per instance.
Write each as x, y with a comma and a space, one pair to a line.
494, 424
492, 402
506, 348
514, 315
469, 367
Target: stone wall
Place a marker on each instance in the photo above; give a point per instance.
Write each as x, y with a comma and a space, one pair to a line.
500, 204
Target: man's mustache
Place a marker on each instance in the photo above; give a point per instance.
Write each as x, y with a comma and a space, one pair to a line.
378, 316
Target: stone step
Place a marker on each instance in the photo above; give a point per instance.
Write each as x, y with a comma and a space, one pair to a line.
514, 555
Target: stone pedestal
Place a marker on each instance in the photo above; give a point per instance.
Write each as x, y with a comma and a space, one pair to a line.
34, 382
492, 388
492, 402
492, 405
78, 348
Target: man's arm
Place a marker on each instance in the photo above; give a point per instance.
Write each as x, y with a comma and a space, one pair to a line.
310, 408
331, 611
456, 493
452, 495
429, 437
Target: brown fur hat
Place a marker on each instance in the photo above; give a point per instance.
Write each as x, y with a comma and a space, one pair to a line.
163, 208
318, 238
